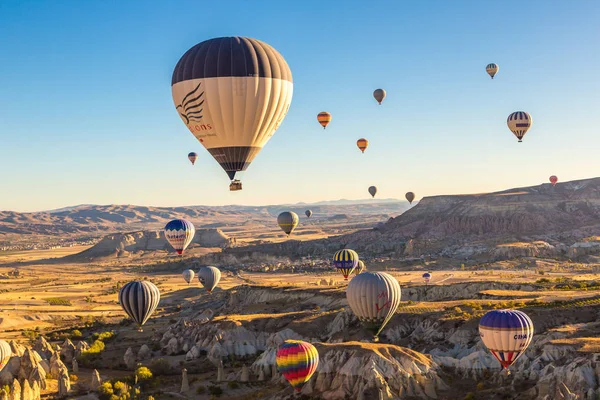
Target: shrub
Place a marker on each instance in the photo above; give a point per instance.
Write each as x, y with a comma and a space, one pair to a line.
105, 390
480, 386
215, 391
58, 301
73, 378
160, 366
233, 385
76, 333
103, 336
120, 388
143, 373
469, 396
201, 390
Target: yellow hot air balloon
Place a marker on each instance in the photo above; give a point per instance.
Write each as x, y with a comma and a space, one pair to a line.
379, 95
232, 101
324, 118
362, 144
519, 123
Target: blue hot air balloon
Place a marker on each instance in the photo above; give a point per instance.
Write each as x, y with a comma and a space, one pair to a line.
179, 234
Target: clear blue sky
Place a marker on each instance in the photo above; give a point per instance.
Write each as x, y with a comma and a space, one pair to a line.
86, 114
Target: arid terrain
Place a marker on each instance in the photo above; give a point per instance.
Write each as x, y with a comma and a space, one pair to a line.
533, 249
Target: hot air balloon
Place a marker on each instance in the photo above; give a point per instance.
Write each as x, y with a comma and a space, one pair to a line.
492, 69
427, 277
209, 277
139, 299
374, 297
359, 268
506, 333
308, 213
297, 361
519, 123
180, 233
553, 180
232, 93
379, 95
193, 157
188, 275
345, 261
372, 190
288, 221
5, 353
324, 118
362, 144
410, 196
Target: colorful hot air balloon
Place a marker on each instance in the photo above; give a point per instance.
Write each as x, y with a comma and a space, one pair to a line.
345, 261
324, 118
209, 277
180, 233
427, 277
188, 275
492, 69
192, 157
410, 196
372, 190
519, 123
308, 213
374, 297
553, 180
232, 93
506, 333
288, 221
297, 361
362, 144
379, 95
359, 268
139, 299
5, 353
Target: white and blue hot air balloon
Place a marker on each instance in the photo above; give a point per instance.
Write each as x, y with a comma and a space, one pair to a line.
507, 334
180, 233
427, 277
139, 299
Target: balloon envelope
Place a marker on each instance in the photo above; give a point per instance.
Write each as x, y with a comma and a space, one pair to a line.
188, 275
232, 93
506, 333
288, 221
492, 69
374, 297
427, 277
209, 277
410, 196
5, 353
139, 299
345, 261
379, 95
180, 233
362, 144
553, 180
372, 191
308, 213
297, 361
519, 123
192, 157
359, 268
324, 118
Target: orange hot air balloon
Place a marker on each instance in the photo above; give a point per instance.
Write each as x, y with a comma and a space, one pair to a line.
553, 180
362, 144
324, 118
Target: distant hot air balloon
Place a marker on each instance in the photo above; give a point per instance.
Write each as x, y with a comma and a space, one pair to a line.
410, 196
297, 361
324, 118
427, 277
553, 180
209, 277
232, 101
519, 123
359, 268
308, 213
379, 95
180, 233
492, 69
362, 144
139, 299
372, 190
506, 333
345, 261
5, 353
193, 157
188, 275
288, 221
374, 297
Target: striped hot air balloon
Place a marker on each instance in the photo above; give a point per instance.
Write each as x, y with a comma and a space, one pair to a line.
180, 233
359, 268
426, 277
209, 277
374, 297
362, 144
379, 95
506, 333
188, 275
345, 261
297, 361
324, 118
288, 221
5, 353
519, 123
492, 69
553, 180
139, 299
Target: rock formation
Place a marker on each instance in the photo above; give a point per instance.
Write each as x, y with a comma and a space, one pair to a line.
185, 386
129, 358
96, 380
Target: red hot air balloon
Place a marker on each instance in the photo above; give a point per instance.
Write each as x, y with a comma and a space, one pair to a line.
553, 180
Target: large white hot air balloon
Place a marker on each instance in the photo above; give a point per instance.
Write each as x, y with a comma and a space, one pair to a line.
374, 297
139, 299
188, 275
232, 93
209, 277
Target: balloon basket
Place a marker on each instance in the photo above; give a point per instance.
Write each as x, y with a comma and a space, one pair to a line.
140, 329
375, 339
235, 185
